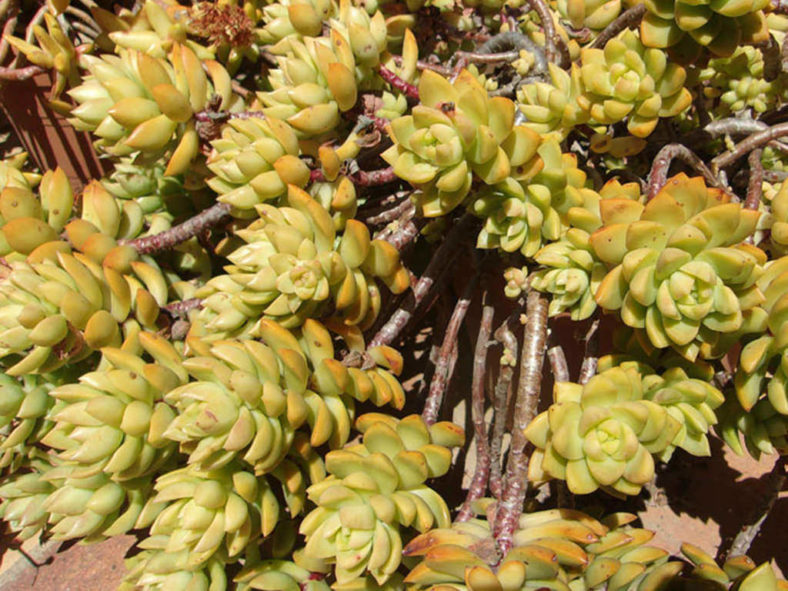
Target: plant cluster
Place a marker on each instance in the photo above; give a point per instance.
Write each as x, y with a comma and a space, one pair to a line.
208, 347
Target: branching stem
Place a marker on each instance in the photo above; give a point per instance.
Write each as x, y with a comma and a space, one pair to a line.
659, 170
506, 337
528, 389
437, 266
442, 376
182, 232
627, 20
747, 145
482, 470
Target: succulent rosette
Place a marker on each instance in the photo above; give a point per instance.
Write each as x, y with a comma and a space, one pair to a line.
688, 27
294, 17
253, 162
680, 270
455, 133
604, 434
138, 103
291, 269
572, 275
319, 77
376, 488
553, 549
553, 107
524, 215
738, 82
22, 497
211, 512
594, 14
113, 420
627, 80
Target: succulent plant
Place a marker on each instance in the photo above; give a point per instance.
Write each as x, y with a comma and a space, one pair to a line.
740, 572
154, 570
53, 50
375, 488
254, 161
596, 14
290, 269
604, 434
318, 79
95, 507
680, 270
60, 305
208, 511
629, 80
572, 275
525, 215
28, 220
555, 549
554, 107
188, 343
719, 27
455, 133
113, 421
303, 18
738, 82
280, 574
138, 103
25, 409
762, 429
23, 495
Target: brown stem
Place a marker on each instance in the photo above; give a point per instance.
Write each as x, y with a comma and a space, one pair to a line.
487, 58
558, 364
482, 470
437, 266
528, 389
404, 208
398, 83
755, 184
590, 359
441, 377
183, 307
363, 178
401, 236
18, 74
659, 170
425, 65
734, 126
627, 20
182, 232
556, 48
747, 145
500, 398
744, 539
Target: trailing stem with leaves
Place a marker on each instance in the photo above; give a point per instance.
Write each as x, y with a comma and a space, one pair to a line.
328, 225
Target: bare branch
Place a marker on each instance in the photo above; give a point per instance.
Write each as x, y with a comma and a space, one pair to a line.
558, 364
438, 265
744, 147
590, 360
482, 470
755, 184
504, 336
441, 377
182, 232
557, 50
658, 175
627, 20
528, 390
